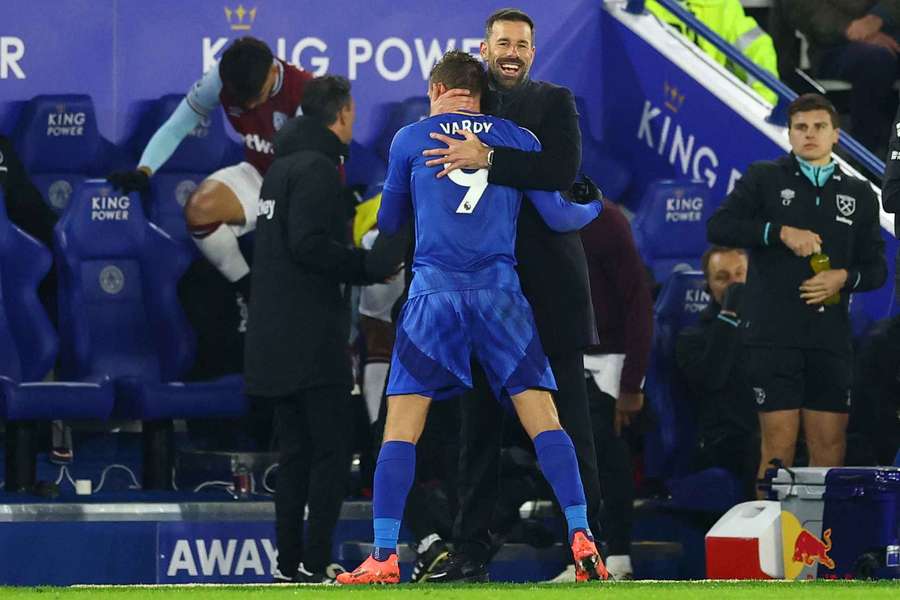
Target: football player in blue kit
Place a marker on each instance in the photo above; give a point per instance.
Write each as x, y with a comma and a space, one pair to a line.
465, 301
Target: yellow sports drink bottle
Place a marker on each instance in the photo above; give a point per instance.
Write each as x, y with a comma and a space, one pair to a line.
820, 262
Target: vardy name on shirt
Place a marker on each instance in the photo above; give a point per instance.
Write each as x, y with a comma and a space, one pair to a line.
454, 127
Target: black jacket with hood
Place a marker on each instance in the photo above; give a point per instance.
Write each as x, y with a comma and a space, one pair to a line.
299, 314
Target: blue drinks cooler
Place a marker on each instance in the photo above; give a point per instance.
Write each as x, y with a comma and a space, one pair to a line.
839, 523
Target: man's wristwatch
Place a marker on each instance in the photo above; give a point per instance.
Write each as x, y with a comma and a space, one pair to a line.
490, 158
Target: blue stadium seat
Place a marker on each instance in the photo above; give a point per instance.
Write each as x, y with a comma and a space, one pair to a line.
365, 167
28, 349
611, 175
670, 227
668, 448
681, 300
60, 145
120, 317
411, 110
868, 308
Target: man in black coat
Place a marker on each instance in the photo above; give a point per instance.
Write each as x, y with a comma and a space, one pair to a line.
708, 354
26, 209
552, 268
299, 322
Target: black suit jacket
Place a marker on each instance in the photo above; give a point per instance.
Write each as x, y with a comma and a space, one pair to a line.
552, 266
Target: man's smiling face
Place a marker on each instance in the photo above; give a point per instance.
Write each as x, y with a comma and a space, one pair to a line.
509, 52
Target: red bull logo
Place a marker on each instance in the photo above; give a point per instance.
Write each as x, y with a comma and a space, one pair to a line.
803, 550
809, 549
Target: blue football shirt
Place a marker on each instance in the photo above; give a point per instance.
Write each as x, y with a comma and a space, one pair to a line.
465, 228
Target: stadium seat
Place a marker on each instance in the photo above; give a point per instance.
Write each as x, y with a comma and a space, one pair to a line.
206, 149
668, 448
28, 349
868, 308
365, 167
611, 175
670, 226
60, 145
120, 317
411, 110
681, 300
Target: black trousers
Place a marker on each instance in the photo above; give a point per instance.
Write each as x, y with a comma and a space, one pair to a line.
314, 447
615, 470
479, 456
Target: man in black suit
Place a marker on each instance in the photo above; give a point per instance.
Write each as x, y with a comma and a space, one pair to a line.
552, 269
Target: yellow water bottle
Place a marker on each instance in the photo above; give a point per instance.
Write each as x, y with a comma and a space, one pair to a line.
820, 262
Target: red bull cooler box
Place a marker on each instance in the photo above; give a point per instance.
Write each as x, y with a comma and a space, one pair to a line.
835, 523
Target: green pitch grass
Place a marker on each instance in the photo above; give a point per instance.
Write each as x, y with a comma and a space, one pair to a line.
824, 590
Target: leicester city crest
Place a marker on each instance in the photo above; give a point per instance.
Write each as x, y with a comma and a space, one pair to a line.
58, 193
183, 191
112, 279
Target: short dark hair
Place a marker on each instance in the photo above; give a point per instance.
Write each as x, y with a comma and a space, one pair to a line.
458, 69
244, 68
324, 97
508, 14
707, 256
808, 102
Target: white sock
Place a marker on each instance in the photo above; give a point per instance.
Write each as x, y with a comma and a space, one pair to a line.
374, 377
222, 250
619, 565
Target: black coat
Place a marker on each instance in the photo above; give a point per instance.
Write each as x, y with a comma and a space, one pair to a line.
25, 206
552, 266
708, 355
299, 314
846, 216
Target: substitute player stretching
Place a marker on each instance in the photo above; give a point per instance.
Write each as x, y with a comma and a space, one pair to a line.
259, 93
465, 300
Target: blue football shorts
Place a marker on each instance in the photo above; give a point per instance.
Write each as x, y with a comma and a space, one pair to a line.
439, 333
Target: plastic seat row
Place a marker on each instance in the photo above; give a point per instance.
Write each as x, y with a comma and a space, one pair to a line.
123, 341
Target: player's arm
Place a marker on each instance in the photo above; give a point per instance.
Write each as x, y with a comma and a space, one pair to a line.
396, 197
739, 220
561, 215
198, 103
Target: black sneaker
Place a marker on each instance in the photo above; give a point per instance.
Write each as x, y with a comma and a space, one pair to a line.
302, 576
459, 568
430, 561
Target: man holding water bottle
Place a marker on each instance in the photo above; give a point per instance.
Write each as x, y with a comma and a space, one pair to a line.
812, 232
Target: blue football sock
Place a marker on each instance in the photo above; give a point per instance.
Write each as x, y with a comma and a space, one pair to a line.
394, 473
556, 456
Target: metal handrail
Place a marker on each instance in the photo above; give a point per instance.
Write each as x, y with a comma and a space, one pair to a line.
785, 94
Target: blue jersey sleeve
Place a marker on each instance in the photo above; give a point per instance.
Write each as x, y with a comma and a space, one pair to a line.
561, 215
396, 197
